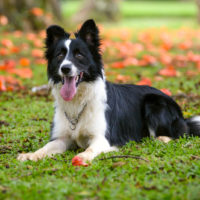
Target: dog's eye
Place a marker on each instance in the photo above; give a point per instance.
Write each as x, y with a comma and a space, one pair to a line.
60, 56
79, 56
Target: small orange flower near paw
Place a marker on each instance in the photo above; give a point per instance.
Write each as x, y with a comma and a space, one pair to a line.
78, 161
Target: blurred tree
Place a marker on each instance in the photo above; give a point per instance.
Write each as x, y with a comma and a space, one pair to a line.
100, 10
198, 6
30, 14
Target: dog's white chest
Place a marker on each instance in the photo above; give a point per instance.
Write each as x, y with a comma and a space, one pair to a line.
88, 121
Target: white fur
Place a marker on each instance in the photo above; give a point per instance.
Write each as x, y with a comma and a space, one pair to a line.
92, 120
196, 119
50, 83
67, 44
68, 62
51, 148
73, 68
103, 73
164, 139
91, 128
152, 132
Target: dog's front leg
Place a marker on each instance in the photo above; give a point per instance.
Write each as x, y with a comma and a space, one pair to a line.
56, 146
97, 146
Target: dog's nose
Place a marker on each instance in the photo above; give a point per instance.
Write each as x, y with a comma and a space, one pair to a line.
66, 69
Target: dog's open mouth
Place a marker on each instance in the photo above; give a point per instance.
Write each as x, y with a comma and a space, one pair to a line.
69, 86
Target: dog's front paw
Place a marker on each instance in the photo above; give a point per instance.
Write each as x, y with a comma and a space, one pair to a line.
164, 139
78, 161
83, 159
30, 156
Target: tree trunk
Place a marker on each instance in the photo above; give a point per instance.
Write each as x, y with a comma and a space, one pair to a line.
21, 15
198, 10
56, 8
101, 10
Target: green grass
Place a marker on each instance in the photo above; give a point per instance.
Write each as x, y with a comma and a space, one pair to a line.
147, 13
143, 23
131, 9
173, 170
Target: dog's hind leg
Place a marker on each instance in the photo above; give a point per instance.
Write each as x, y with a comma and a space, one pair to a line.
164, 139
53, 147
163, 117
97, 146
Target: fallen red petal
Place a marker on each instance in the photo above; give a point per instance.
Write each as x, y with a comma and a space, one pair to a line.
166, 91
145, 81
118, 65
2, 84
168, 71
23, 73
78, 161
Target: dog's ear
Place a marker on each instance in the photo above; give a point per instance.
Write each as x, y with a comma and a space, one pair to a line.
54, 33
89, 33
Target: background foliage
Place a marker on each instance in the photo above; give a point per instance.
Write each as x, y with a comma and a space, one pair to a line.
153, 43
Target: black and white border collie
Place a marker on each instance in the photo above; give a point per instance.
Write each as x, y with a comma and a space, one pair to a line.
97, 115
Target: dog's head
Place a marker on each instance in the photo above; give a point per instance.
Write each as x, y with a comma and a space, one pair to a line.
73, 61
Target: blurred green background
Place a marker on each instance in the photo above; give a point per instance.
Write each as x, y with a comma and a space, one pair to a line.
173, 13
145, 13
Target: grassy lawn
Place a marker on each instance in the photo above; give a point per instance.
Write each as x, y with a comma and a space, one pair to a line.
168, 171
147, 13
158, 9
143, 8
172, 171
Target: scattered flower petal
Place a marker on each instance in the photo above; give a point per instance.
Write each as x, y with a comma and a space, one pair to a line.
166, 91
145, 81
168, 71
24, 62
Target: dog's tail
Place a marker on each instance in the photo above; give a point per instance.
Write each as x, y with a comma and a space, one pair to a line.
193, 126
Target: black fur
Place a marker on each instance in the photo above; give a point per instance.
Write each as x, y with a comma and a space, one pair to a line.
87, 43
132, 110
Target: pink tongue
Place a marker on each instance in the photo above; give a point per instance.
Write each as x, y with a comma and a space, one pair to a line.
68, 89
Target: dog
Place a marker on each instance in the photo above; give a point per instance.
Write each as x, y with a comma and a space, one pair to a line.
97, 115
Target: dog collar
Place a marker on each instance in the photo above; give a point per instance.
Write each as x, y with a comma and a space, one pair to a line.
74, 121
